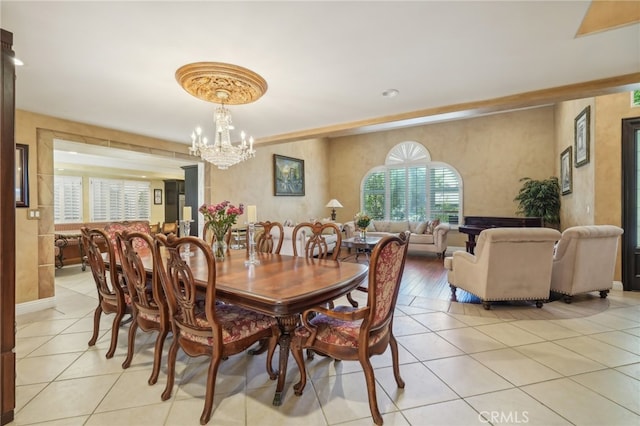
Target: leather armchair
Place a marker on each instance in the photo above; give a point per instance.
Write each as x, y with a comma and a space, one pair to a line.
509, 264
585, 260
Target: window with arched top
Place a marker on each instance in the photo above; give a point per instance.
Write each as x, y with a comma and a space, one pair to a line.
409, 186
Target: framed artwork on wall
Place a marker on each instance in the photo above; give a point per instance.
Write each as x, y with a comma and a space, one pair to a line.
157, 196
288, 176
582, 132
566, 178
22, 175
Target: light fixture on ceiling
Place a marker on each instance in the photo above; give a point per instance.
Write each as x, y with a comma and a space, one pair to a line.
223, 84
390, 93
334, 204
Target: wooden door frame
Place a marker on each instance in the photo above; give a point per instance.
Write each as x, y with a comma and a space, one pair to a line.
629, 200
7, 242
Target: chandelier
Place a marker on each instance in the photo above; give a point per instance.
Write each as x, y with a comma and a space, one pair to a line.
224, 84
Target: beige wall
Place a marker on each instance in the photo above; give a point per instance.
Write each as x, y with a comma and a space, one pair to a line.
34, 238
251, 183
491, 154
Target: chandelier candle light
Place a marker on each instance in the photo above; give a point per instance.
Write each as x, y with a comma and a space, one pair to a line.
224, 84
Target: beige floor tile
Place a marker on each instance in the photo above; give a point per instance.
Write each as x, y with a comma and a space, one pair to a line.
295, 410
439, 321
228, 410
470, 340
579, 405
344, 398
512, 407
25, 393
466, 376
601, 352
560, 359
93, 363
545, 329
613, 385
406, 325
453, 413
43, 368
632, 370
620, 339
132, 390
149, 415
231, 377
515, 367
45, 328
428, 346
509, 334
64, 343
476, 320
26, 345
616, 322
581, 326
422, 387
634, 331
67, 398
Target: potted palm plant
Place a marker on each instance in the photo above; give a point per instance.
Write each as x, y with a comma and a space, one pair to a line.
540, 198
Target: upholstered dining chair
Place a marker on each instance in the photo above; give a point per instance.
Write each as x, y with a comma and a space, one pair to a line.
585, 260
170, 228
217, 330
348, 333
507, 264
265, 242
148, 303
317, 243
134, 225
113, 297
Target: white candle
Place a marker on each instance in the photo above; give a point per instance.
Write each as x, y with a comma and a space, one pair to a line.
252, 215
186, 213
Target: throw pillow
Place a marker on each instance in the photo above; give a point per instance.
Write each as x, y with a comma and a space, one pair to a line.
432, 226
421, 228
397, 227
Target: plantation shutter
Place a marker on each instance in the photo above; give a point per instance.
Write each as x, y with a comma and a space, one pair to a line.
444, 194
117, 200
67, 199
373, 195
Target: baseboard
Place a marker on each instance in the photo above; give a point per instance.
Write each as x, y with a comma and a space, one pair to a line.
35, 305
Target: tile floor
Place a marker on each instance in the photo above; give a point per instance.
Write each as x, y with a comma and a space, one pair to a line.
560, 365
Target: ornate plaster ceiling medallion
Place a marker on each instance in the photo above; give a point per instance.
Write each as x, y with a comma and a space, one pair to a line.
221, 83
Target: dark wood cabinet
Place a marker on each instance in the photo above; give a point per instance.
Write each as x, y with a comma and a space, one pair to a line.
191, 196
174, 199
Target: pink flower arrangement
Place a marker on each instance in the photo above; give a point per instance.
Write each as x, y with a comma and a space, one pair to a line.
219, 217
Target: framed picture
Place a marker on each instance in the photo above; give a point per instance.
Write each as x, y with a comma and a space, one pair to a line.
22, 175
582, 132
566, 179
288, 175
157, 196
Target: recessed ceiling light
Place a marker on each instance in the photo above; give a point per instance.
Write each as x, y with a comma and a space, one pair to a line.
390, 93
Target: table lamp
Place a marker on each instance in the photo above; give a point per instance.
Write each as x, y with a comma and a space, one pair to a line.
333, 203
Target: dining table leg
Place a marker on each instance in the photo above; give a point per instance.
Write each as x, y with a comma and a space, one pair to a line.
287, 326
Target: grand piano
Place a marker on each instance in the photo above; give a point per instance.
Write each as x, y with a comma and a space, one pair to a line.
473, 225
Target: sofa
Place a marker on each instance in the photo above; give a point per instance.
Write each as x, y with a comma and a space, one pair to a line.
585, 260
508, 264
426, 237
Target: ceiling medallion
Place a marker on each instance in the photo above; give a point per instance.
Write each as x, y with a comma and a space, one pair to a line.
221, 83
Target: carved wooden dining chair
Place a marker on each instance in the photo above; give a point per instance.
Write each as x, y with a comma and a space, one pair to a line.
266, 240
323, 241
148, 302
348, 333
217, 330
169, 228
113, 296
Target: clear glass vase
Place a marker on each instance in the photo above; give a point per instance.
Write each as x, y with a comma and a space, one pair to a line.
363, 234
219, 249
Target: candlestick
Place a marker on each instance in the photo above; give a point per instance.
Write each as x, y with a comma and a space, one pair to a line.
252, 214
186, 213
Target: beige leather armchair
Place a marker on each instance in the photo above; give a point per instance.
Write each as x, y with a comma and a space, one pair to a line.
585, 260
509, 264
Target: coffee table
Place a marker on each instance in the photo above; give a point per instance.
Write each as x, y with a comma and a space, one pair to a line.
361, 246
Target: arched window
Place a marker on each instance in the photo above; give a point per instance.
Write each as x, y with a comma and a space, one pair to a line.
412, 187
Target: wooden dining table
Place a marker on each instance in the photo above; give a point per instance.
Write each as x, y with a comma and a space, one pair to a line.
280, 286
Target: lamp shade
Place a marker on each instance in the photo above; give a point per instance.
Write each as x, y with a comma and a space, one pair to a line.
333, 203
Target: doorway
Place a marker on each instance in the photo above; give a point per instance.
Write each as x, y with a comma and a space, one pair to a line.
630, 188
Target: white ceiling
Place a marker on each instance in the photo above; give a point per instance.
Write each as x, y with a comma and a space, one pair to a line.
327, 63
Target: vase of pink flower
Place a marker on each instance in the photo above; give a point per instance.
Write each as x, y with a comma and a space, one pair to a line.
219, 218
